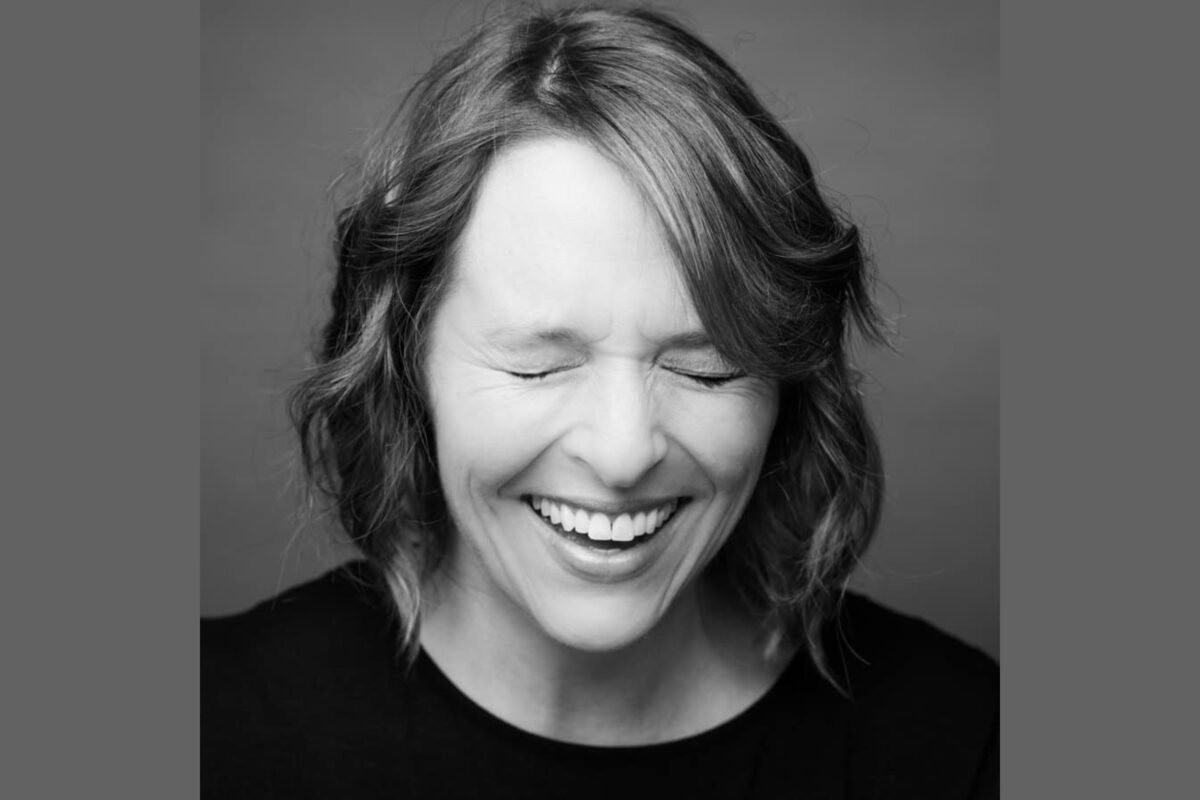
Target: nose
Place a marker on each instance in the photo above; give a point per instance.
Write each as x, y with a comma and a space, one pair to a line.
617, 431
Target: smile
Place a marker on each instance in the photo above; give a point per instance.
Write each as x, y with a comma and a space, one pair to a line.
599, 527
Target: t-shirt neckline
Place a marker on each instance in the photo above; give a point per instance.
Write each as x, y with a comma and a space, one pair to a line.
722, 732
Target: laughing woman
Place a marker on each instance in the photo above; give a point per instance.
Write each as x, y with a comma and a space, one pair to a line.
585, 407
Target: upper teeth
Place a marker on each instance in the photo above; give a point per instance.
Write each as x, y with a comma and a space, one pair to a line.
602, 527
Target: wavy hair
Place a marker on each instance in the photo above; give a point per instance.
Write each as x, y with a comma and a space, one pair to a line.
779, 277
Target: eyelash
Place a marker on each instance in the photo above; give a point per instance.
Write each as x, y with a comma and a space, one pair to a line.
709, 381
532, 376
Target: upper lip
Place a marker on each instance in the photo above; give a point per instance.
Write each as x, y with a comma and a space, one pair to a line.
612, 508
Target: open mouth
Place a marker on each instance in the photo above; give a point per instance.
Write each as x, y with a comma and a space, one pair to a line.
603, 531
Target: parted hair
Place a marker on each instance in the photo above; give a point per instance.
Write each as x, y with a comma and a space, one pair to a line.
779, 277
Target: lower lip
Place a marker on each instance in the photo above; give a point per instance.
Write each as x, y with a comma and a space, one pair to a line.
604, 564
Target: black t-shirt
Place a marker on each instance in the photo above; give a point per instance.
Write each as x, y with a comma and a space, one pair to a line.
305, 696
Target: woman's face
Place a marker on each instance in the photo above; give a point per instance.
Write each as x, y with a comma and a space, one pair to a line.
573, 389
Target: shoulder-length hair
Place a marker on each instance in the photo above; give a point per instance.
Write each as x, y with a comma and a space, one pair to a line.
779, 278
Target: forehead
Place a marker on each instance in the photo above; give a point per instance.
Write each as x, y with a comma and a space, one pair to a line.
554, 215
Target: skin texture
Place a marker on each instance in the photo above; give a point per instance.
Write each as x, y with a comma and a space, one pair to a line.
567, 361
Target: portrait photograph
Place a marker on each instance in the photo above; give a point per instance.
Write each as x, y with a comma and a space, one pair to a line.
600, 397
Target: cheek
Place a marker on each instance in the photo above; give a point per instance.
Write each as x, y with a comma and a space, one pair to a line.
484, 434
728, 436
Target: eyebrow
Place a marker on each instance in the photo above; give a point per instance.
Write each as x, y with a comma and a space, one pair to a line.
690, 340
518, 335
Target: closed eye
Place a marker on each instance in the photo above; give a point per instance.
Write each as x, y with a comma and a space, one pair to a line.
536, 376
710, 380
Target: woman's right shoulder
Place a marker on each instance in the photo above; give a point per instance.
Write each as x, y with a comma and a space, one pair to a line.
338, 617
296, 616
273, 675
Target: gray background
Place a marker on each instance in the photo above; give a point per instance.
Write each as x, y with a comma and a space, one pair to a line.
897, 103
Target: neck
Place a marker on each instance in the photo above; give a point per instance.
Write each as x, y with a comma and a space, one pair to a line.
699, 666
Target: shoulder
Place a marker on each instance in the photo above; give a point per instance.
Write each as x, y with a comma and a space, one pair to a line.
272, 676
327, 620
340, 620
924, 706
301, 617
878, 651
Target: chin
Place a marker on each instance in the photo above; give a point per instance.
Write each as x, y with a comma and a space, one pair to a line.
595, 626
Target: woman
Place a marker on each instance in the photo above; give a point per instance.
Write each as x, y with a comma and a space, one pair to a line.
585, 406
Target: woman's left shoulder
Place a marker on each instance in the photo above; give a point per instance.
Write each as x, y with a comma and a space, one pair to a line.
880, 650
923, 706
